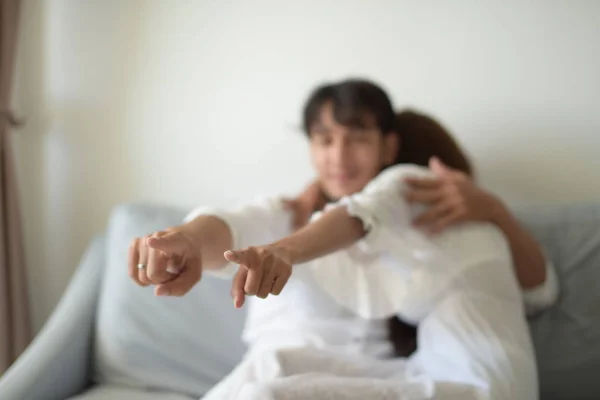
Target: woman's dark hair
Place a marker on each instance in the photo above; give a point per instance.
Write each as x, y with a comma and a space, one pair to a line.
422, 137
355, 102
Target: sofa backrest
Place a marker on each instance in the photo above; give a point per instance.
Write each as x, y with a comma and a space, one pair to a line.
567, 337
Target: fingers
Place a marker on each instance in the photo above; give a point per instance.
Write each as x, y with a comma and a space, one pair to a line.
254, 279
235, 256
424, 196
250, 260
261, 273
156, 270
174, 264
279, 283
237, 287
133, 261
433, 214
189, 276
143, 262
266, 283
174, 273
444, 196
445, 172
441, 216
445, 221
438, 167
416, 183
168, 242
147, 265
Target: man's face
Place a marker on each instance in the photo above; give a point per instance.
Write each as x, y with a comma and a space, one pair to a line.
345, 158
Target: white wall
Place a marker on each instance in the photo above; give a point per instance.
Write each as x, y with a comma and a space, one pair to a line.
187, 102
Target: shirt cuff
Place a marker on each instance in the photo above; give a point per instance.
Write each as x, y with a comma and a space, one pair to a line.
229, 270
543, 296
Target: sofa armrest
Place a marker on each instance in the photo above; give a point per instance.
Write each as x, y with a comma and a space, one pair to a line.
56, 365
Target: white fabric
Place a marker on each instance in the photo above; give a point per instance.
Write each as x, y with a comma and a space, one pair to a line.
302, 304
539, 298
473, 337
306, 371
383, 273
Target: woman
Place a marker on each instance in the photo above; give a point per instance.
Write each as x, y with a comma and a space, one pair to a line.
474, 339
452, 198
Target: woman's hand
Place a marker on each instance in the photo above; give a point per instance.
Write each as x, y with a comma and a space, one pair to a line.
263, 270
168, 259
306, 204
452, 198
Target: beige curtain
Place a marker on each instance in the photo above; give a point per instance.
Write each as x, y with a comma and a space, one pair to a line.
14, 310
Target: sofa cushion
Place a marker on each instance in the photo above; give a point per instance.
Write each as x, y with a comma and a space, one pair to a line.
182, 344
110, 392
567, 337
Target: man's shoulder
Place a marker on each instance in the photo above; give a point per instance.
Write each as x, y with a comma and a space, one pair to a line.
407, 170
396, 174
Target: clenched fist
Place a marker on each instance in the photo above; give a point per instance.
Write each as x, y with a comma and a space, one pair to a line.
168, 259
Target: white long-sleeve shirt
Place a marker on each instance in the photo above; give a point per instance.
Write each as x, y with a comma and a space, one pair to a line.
469, 310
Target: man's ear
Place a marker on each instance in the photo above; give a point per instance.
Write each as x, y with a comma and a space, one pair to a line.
391, 147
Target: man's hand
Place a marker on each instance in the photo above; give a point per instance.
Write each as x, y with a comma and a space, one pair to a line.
452, 198
263, 270
168, 259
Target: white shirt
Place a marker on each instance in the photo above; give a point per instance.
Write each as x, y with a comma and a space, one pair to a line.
302, 306
469, 310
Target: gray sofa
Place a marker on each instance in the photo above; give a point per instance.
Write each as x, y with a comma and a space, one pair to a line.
109, 339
